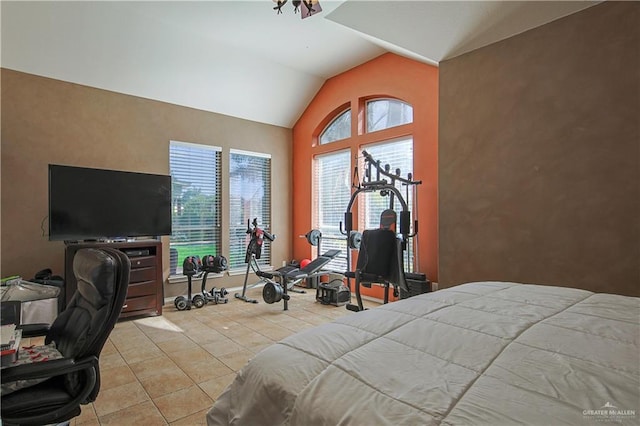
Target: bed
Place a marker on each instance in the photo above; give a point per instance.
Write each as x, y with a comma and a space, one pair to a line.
483, 353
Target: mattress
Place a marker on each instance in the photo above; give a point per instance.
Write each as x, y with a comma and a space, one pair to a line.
484, 353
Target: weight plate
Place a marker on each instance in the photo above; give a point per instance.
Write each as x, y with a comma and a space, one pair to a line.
221, 262
198, 301
181, 303
272, 293
313, 237
355, 238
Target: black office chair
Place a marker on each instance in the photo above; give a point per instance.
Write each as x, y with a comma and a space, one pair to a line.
379, 261
79, 333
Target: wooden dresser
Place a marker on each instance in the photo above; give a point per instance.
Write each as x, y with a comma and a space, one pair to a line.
145, 293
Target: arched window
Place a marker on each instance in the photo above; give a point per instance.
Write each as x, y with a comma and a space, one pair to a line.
333, 170
339, 128
385, 113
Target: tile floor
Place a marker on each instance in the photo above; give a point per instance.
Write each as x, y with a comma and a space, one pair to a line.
169, 369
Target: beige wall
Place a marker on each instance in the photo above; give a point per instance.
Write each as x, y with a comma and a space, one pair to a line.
48, 121
539, 156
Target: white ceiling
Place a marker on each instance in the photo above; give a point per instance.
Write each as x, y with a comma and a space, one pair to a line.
239, 57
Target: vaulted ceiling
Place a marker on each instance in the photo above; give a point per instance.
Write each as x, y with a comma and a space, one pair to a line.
241, 58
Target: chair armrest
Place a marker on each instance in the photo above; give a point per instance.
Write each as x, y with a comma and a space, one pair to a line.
45, 369
33, 330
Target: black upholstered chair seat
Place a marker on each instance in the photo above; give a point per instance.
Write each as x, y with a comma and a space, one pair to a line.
49, 394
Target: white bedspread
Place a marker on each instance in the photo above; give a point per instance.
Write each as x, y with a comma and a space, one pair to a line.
488, 353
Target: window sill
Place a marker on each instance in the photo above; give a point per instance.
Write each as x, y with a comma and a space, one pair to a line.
179, 279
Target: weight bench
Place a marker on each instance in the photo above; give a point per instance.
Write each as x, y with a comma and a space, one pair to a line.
288, 276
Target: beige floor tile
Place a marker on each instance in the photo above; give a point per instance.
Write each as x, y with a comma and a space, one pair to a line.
152, 366
259, 348
87, 417
158, 336
257, 323
222, 347
197, 419
202, 371
90, 422
117, 376
183, 403
118, 398
299, 326
276, 333
169, 369
250, 339
207, 336
112, 360
237, 360
108, 348
214, 387
127, 335
166, 381
142, 353
190, 355
131, 344
177, 344
143, 414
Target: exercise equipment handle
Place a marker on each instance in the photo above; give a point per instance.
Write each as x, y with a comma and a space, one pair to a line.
368, 158
268, 236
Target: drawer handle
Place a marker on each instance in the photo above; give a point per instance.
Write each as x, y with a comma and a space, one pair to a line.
124, 306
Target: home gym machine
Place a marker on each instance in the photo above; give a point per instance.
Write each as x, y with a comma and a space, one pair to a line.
381, 251
193, 267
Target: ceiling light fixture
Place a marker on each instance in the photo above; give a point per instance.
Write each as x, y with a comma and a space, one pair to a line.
309, 7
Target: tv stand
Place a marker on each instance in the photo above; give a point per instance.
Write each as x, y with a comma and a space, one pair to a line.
145, 293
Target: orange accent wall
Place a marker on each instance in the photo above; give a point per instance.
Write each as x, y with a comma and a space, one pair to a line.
388, 75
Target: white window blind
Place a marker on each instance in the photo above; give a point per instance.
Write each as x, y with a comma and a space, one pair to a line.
339, 128
333, 191
196, 201
399, 155
249, 198
385, 113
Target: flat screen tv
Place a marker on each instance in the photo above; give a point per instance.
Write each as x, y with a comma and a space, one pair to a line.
97, 204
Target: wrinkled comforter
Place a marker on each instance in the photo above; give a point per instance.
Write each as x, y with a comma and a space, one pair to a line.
485, 353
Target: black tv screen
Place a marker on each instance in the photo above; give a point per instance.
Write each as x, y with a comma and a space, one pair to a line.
97, 204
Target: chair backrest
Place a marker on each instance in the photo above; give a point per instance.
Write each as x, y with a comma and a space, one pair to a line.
380, 255
377, 250
102, 280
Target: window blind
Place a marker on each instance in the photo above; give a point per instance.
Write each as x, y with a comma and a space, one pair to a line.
196, 201
249, 198
398, 154
332, 177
